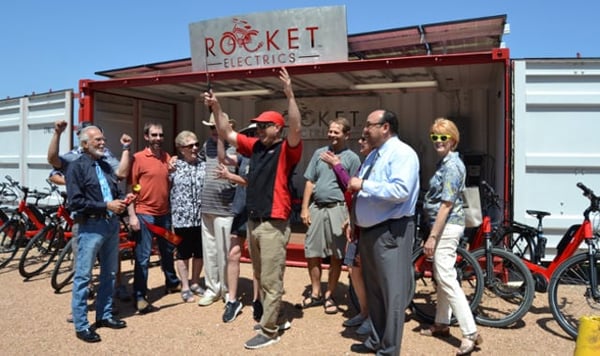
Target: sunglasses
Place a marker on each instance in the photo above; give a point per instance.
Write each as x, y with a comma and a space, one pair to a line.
157, 134
439, 138
264, 125
195, 144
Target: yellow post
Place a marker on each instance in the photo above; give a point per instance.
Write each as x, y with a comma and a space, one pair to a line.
588, 336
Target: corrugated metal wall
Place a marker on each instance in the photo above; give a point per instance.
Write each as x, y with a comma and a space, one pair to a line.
26, 126
556, 144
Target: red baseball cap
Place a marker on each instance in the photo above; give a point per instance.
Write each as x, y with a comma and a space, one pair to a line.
270, 116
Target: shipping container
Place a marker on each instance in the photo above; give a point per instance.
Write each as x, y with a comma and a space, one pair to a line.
527, 125
26, 126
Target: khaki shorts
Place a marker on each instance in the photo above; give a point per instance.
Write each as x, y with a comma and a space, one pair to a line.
325, 236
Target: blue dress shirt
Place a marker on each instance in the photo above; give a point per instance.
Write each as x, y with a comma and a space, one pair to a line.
392, 187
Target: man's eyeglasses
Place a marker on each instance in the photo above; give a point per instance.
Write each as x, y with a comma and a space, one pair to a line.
157, 134
369, 124
439, 138
195, 144
264, 125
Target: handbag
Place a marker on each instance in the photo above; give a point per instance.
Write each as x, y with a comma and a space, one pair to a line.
472, 207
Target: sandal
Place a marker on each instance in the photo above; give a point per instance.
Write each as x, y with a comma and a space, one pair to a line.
197, 290
312, 301
468, 344
187, 296
437, 330
330, 306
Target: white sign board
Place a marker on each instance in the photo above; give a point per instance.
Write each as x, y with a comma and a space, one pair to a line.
278, 38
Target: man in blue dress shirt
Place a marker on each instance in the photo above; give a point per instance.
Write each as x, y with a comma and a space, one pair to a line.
386, 192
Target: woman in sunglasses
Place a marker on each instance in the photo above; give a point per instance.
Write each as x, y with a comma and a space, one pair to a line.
443, 209
186, 187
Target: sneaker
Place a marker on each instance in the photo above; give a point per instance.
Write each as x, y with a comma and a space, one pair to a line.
232, 310
207, 300
354, 321
364, 328
281, 327
257, 310
260, 341
143, 307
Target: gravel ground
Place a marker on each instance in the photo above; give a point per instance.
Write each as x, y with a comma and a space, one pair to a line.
33, 323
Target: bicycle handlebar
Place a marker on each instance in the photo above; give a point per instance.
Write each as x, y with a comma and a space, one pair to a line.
594, 200
586, 191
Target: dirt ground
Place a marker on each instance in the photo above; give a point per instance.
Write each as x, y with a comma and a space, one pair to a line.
32, 322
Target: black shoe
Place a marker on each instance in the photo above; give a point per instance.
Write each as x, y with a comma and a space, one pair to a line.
173, 289
361, 349
88, 335
257, 310
111, 323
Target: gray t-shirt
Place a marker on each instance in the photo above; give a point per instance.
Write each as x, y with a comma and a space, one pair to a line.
327, 189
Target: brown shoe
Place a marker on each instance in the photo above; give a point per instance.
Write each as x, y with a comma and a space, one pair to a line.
436, 330
468, 344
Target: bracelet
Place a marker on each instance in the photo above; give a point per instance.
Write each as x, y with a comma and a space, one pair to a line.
126, 147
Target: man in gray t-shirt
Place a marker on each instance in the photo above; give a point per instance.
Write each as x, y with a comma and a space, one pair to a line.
324, 212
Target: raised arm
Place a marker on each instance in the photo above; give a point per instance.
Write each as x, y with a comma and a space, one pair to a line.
294, 132
222, 123
53, 147
125, 162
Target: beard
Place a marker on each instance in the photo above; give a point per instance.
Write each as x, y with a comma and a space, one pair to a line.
96, 152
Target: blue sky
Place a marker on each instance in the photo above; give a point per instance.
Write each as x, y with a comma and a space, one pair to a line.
50, 45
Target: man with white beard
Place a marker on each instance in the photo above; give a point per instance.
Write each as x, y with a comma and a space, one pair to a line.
93, 197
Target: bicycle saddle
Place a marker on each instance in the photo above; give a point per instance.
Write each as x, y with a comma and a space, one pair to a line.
538, 214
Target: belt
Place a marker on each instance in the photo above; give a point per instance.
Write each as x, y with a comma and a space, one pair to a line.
84, 217
260, 220
388, 222
329, 205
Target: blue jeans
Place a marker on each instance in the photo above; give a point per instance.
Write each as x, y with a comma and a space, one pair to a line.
96, 237
143, 249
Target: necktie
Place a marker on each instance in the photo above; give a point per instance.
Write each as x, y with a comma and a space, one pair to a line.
106, 194
364, 176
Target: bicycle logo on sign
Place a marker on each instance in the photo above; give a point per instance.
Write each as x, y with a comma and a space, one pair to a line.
241, 35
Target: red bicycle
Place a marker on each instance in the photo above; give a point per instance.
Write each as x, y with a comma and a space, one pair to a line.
49, 241
24, 224
571, 278
508, 285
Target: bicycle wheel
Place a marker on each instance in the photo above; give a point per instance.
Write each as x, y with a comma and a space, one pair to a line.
509, 288
41, 250
64, 269
570, 294
424, 299
11, 235
520, 242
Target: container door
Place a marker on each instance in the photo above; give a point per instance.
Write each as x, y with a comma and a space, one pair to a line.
26, 126
556, 124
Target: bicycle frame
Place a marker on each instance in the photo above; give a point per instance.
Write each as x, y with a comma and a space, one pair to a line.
583, 233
